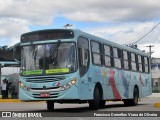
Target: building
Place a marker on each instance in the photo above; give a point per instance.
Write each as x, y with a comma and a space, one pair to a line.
155, 71
7, 59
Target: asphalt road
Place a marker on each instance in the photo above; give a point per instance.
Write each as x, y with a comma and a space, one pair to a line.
78, 110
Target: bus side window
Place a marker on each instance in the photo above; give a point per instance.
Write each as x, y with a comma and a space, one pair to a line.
97, 56
83, 52
146, 64
108, 58
83, 56
117, 58
133, 62
125, 60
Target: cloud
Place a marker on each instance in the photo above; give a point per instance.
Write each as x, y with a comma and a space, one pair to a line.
11, 29
35, 11
40, 12
109, 10
129, 19
127, 33
43, 12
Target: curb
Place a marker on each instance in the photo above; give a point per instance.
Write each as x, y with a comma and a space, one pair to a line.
10, 100
157, 105
17, 100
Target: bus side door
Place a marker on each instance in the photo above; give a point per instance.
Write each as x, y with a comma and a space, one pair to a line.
83, 52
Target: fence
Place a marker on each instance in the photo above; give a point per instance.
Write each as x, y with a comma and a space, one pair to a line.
156, 89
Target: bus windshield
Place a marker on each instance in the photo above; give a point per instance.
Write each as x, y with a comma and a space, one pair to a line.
54, 58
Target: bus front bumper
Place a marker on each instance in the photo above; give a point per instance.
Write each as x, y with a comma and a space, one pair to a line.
70, 93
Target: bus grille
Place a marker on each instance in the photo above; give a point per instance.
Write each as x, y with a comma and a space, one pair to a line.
45, 79
52, 95
45, 89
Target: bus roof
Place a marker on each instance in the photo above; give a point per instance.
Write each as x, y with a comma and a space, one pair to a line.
78, 32
108, 42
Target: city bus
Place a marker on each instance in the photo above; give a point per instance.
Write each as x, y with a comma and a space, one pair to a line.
71, 66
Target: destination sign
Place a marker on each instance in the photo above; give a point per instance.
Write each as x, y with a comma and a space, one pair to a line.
46, 35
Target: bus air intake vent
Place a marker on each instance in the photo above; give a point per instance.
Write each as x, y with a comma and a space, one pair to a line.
49, 88
45, 79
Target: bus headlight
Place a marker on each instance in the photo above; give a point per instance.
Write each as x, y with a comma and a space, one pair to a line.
68, 85
73, 82
21, 84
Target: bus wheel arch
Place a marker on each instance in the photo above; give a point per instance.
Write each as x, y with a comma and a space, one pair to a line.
97, 97
135, 95
101, 102
99, 86
134, 100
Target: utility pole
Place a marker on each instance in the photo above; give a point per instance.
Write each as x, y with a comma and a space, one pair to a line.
150, 52
150, 59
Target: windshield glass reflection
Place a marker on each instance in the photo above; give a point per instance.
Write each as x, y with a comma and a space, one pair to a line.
49, 58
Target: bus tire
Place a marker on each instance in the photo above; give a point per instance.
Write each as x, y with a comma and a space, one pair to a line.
94, 104
134, 101
50, 105
126, 102
102, 103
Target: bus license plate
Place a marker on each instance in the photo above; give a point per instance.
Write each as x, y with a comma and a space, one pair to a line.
45, 95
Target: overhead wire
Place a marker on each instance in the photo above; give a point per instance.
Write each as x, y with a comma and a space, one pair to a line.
147, 33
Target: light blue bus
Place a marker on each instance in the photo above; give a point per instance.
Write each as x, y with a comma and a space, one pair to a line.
71, 66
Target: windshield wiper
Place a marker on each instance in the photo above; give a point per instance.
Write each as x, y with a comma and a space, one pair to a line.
54, 52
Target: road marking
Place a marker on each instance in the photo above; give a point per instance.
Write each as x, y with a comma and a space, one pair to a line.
16, 100
157, 105
10, 100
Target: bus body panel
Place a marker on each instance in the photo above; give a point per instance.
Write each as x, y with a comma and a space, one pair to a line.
116, 83
71, 93
119, 84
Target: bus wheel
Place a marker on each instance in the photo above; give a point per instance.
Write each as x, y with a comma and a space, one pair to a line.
102, 103
50, 105
126, 102
134, 101
94, 104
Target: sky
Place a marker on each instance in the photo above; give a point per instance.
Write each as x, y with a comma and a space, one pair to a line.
120, 21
